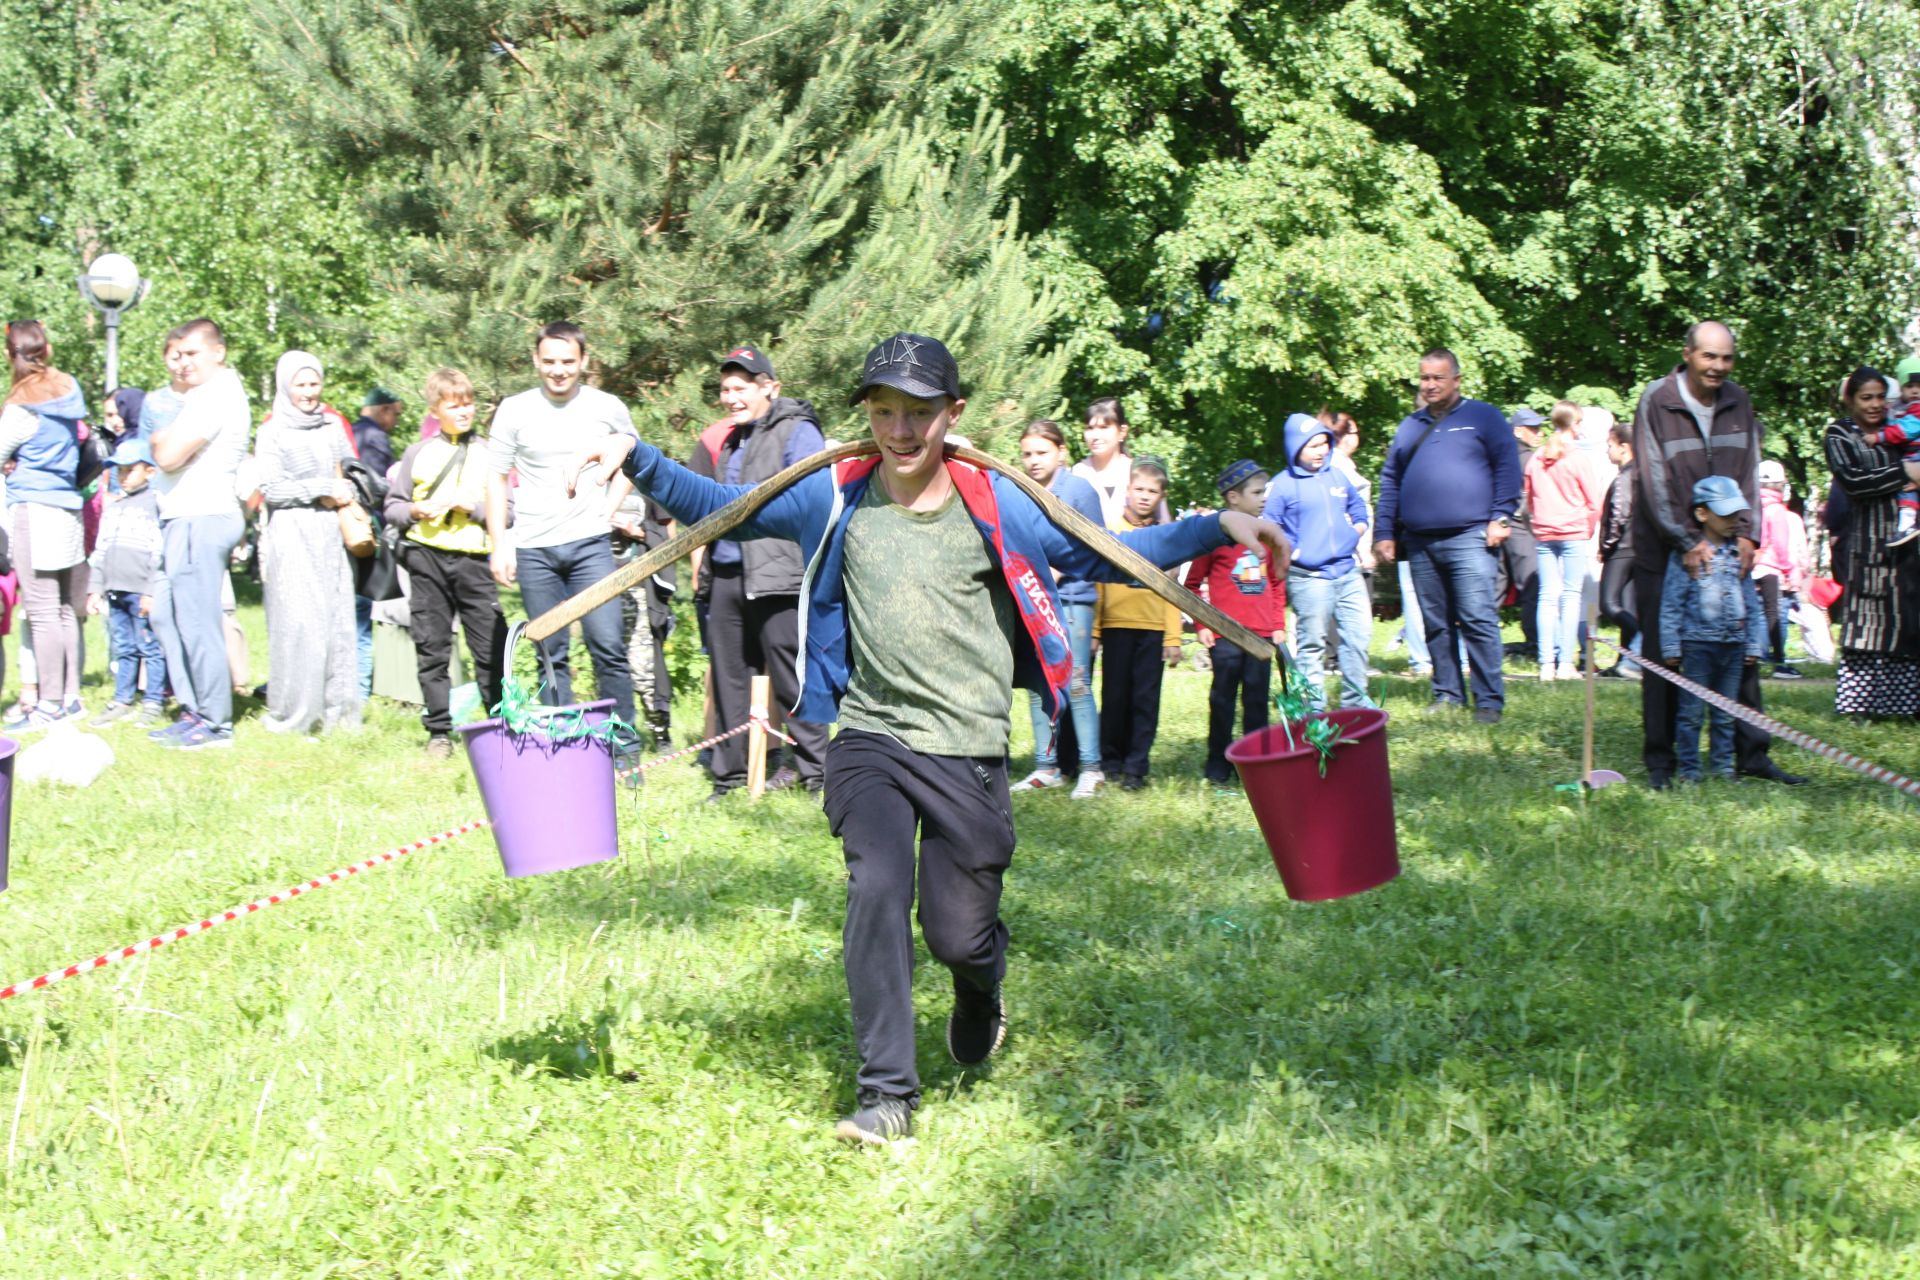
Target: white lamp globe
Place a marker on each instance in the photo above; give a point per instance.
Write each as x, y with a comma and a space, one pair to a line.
113, 279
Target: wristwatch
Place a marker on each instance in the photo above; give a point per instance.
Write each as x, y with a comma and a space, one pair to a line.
1503, 522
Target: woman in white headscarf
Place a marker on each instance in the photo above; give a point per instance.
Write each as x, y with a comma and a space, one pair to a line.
312, 681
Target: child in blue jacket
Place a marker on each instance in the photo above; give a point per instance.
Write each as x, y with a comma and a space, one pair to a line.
1323, 515
1711, 627
928, 595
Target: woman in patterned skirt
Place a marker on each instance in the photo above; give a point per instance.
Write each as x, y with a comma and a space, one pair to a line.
1880, 634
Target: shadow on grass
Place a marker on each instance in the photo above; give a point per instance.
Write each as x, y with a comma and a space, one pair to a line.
1737, 1015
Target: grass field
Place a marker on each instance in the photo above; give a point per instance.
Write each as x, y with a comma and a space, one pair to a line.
1642, 1035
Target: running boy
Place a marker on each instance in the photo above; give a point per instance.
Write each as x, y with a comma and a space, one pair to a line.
1711, 627
1249, 587
439, 499
1324, 517
928, 596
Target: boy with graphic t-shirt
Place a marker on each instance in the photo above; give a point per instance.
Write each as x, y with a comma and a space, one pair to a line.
929, 595
1245, 586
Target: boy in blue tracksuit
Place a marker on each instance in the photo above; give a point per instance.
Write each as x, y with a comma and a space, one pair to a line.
1712, 627
928, 594
1324, 517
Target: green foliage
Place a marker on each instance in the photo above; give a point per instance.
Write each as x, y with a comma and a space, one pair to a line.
1258, 209
680, 179
149, 132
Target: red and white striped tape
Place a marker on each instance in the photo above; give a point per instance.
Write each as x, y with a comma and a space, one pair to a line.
1867, 768
235, 913
245, 909
698, 747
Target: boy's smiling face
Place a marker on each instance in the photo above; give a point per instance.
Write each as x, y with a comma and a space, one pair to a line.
910, 432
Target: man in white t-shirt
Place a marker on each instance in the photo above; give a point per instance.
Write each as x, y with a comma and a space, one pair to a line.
198, 454
559, 545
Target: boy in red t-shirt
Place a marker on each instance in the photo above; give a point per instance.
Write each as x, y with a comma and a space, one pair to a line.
1252, 592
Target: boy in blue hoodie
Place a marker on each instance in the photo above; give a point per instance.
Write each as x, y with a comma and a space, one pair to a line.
1324, 517
1711, 627
928, 594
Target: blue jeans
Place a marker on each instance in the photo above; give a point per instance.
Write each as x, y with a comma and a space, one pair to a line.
551, 575
187, 616
1080, 704
1719, 666
1453, 576
1344, 598
1412, 627
1563, 577
130, 642
363, 629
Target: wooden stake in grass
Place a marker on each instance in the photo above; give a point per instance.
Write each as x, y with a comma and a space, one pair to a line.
759, 699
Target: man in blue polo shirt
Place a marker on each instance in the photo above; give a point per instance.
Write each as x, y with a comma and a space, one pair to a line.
1447, 498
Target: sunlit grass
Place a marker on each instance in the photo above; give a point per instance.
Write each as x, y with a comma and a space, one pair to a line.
1636, 1034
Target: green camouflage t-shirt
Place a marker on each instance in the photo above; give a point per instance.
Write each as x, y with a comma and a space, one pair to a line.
931, 625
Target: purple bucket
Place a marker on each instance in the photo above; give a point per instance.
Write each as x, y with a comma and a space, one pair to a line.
550, 803
8, 749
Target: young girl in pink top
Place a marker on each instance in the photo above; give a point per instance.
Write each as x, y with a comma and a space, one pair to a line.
1564, 496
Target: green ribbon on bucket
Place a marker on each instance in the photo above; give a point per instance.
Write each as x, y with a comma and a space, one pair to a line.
1291, 705
522, 711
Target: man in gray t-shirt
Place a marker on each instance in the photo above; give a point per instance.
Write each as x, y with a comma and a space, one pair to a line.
560, 543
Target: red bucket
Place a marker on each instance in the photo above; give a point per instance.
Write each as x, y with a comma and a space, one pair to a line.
1332, 836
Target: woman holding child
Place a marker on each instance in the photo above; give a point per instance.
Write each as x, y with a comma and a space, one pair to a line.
311, 650
1880, 634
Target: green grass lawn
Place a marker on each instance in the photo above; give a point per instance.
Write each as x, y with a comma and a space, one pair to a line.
1641, 1035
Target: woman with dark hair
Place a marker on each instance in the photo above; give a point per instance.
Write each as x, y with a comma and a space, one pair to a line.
40, 435
1880, 636
124, 408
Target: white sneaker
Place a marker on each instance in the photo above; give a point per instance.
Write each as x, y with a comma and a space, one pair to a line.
1090, 780
1548, 673
1041, 780
1568, 671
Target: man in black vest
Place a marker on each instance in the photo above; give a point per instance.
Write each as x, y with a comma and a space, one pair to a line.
753, 615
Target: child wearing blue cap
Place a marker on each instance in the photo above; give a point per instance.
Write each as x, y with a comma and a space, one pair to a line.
1711, 627
125, 565
1251, 589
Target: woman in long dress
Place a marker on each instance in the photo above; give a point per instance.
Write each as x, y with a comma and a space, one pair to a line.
312, 679
1880, 635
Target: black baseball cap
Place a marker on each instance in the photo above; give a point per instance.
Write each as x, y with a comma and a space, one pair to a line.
913, 363
750, 359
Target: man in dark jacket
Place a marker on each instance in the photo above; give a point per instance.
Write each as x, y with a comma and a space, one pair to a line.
1519, 563
1693, 423
753, 611
373, 430
1447, 497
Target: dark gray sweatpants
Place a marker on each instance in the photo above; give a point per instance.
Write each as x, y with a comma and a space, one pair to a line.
879, 794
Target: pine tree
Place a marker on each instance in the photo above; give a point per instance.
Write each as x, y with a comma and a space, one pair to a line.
680, 178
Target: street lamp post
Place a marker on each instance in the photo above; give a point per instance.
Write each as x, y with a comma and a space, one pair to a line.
112, 285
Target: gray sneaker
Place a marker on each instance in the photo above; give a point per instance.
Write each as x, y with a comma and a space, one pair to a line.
113, 711
880, 1118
